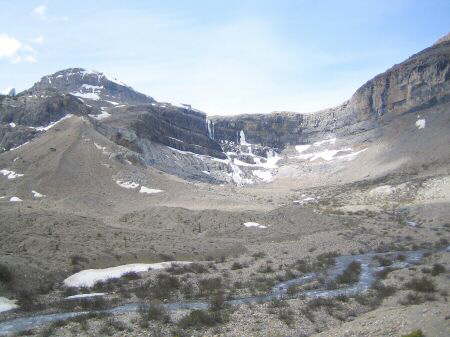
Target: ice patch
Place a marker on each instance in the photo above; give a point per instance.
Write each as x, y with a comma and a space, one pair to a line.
149, 190
127, 184
420, 123
37, 194
84, 296
10, 174
89, 277
254, 224
7, 304
12, 124
15, 199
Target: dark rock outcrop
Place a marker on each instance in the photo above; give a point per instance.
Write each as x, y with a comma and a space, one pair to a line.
39, 108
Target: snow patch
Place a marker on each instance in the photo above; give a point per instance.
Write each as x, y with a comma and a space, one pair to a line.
88, 95
84, 296
149, 190
127, 184
10, 174
52, 124
254, 224
37, 194
89, 277
420, 123
7, 304
12, 124
101, 116
15, 199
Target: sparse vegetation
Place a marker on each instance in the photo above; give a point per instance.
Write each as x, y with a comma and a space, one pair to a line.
350, 274
415, 333
422, 284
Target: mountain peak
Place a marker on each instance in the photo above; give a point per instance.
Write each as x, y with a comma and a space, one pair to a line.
92, 85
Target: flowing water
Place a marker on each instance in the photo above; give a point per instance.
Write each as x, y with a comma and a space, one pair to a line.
366, 279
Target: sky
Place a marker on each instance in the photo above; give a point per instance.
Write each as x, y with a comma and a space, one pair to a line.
222, 57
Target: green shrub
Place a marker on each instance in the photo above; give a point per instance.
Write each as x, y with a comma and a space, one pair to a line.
415, 333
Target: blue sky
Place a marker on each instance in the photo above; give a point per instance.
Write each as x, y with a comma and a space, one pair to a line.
223, 57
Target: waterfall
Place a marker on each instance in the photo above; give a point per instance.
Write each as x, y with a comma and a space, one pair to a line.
210, 126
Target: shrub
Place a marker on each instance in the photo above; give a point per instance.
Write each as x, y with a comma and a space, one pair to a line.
267, 268
350, 274
383, 291
424, 285
411, 298
437, 269
383, 261
287, 316
217, 301
415, 333
195, 268
258, 255
131, 276
382, 274
236, 266
155, 312
277, 303
210, 285
5, 274
198, 319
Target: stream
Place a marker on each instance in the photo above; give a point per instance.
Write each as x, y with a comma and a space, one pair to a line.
366, 280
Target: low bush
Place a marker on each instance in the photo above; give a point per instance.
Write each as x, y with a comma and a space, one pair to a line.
6, 275
198, 319
351, 273
287, 316
423, 284
155, 312
415, 333
437, 269
236, 266
258, 255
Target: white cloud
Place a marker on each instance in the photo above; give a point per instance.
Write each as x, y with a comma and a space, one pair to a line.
40, 11
38, 40
9, 46
15, 51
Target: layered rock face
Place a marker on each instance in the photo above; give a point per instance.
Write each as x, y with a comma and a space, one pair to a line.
420, 82
180, 128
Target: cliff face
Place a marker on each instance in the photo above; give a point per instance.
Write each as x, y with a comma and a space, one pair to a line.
180, 128
420, 82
